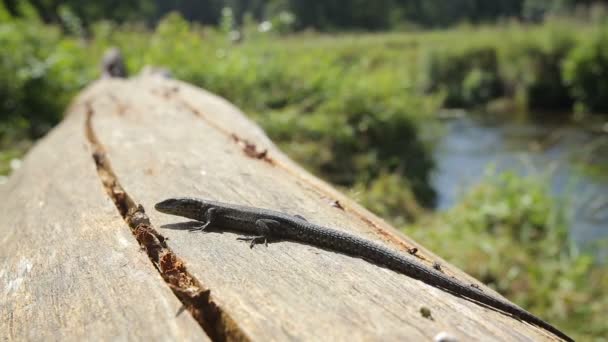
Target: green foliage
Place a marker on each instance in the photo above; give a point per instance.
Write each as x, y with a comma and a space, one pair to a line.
520, 232
370, 130
8, 155
586, 71
56, 11
544, 68
532, 66
39, 70
283, 22
389, 195
4, 14
71, 22
465, 75
226, 20
324, 15
337, 14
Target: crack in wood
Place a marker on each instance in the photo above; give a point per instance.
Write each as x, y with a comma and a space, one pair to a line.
194, 296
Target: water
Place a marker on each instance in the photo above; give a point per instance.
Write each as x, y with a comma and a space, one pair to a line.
569, 154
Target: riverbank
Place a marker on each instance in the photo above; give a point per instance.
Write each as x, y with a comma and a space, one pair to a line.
564, 155
511, 234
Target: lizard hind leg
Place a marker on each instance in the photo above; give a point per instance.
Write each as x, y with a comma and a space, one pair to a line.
263, 231
254, 240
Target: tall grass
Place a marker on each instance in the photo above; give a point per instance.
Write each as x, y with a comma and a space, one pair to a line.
558, 67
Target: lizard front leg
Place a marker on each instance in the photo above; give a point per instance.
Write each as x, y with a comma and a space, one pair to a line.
263, 231
209, 218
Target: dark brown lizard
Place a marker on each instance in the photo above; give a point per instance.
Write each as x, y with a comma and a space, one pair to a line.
265, 224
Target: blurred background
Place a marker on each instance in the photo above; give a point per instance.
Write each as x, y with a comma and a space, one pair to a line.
478, 127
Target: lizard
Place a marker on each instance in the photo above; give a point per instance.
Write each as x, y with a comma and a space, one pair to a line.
263, 224
113, 65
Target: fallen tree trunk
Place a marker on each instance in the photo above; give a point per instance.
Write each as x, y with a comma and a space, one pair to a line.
77, 215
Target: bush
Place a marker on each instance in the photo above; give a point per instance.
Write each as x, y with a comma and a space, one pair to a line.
586, 72
526, 65
370, 129
365, 128
520, 232
389, 195
467, 76
39, 72
532, 67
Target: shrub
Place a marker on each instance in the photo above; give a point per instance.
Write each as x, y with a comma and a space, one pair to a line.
467, 76
532, 67
366, 128
370, 129
39, 72
389, 195
586, 72
520, 231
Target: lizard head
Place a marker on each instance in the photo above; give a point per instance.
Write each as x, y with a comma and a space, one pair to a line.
182, 206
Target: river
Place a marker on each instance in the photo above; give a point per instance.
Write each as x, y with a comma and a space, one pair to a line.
573, 158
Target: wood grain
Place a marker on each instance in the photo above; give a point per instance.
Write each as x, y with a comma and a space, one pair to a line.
70, 268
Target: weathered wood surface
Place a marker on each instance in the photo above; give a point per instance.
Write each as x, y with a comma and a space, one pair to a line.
71, 267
